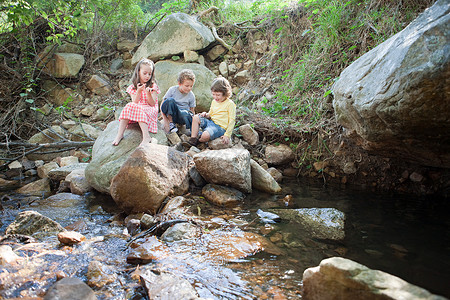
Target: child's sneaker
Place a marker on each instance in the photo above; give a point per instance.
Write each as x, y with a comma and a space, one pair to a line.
193, 141
173, 127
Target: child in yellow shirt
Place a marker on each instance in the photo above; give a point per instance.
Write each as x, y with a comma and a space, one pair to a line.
221, 118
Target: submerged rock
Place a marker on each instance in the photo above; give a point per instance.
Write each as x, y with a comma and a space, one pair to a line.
165, 285
99, 274
268, 217
70, 288
34, 224
7, 255
322, 223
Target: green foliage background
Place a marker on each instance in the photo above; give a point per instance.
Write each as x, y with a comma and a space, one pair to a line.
311, 42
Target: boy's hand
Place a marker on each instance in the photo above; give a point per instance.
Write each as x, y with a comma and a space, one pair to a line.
203, 114
225, 139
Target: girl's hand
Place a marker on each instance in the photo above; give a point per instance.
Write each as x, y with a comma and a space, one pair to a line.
140, 86
225, 139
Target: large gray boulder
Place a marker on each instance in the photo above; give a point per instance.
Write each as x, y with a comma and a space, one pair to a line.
149, 175
61, 65
166, 72
229, 167
108, 159
395, 97
175, 34
340, 278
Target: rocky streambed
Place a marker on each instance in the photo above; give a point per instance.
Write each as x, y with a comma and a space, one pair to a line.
194, 249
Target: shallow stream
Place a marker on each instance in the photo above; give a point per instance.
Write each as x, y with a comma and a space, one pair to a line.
406, 236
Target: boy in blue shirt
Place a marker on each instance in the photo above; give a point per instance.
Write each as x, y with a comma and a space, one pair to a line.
178, 104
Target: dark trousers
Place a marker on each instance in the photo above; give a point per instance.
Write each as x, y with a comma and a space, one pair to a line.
179, 116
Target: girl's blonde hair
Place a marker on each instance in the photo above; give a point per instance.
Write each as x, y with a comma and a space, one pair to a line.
186, 74
135, 78
221, 84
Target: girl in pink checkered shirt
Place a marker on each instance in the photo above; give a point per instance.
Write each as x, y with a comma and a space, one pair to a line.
143, 109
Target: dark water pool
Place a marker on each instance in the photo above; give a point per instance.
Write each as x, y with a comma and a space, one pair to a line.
404, 235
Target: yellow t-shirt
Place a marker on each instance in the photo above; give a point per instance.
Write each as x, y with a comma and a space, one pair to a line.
224, 115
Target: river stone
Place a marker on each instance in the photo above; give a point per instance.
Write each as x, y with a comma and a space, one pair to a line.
143, 252
165, 285
167, 73
275, 173
262, 180
172, 36
70, 237
395, 97
39, 187
278, 154
7, 183
68, 160
107, 159
173, 204
180, 231
7, 255
150, 174
197, 179
229, 167
226, 246
58, 174
249, 134
70, 288
43, 170
78, 182
34, 224
99, 275
222, 195
61, 207
321, 223
340, 278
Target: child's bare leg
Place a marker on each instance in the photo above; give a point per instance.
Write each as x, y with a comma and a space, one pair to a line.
122, 126
166, 121
195, 125
204, 137
145, 134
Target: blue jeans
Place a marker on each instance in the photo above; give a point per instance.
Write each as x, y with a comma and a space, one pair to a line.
213, 129
179, 116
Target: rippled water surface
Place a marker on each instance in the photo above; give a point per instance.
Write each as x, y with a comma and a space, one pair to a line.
406, 236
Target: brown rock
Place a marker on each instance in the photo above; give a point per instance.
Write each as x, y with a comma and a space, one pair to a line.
70, 237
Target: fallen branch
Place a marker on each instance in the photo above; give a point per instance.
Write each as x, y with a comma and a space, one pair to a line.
103, 56
213, 28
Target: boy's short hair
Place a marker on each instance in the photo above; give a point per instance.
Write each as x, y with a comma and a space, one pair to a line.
221, 84
186, 74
